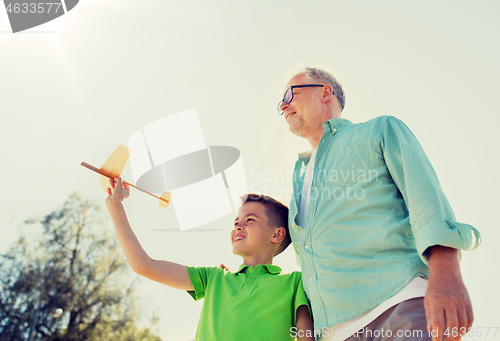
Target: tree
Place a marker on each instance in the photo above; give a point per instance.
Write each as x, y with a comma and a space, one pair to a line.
68, 260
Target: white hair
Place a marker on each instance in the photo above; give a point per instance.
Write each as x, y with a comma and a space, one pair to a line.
321, 74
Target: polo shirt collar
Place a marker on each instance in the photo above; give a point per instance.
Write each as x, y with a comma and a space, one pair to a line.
272, 269
330, 126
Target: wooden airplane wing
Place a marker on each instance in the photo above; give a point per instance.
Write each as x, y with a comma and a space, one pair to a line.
114, 165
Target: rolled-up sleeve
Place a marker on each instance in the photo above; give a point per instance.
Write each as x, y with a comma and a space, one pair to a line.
431, 217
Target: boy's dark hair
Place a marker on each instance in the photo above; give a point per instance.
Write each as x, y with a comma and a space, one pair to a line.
276, 212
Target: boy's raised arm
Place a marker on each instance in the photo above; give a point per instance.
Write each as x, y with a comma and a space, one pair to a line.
172, 274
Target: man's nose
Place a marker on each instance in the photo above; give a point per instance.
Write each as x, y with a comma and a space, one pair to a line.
283, 105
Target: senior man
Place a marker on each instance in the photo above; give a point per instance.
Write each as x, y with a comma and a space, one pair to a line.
374, 234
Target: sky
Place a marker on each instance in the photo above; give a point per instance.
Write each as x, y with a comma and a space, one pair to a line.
73, 89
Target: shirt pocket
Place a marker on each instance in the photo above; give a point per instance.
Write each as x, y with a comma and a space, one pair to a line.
349, 166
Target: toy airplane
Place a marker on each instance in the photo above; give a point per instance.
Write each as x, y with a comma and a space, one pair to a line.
113, 168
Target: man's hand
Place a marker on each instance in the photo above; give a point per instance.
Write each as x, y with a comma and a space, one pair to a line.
448, 308
118, 191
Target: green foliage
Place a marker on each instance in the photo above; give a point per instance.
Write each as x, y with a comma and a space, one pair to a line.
68, 260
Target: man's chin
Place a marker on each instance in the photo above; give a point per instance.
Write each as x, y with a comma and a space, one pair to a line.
296, 130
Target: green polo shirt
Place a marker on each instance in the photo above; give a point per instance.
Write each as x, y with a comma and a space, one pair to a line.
250, 304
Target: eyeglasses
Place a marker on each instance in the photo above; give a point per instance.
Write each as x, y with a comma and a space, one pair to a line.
289, 94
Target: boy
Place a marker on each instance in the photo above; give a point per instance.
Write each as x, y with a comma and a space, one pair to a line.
254, 303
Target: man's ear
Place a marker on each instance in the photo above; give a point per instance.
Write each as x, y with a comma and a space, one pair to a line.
327, 93
279, 235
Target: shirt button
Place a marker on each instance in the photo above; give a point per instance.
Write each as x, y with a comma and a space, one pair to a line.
334, 129
307, 246
311, 279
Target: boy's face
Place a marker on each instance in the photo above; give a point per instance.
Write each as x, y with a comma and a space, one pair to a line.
251, 234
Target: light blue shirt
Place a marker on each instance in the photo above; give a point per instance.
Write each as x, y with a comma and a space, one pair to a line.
375, 207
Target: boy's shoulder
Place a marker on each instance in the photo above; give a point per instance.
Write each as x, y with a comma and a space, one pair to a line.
228, 272
296, 276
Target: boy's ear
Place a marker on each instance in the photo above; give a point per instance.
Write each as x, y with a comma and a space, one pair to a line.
279, 235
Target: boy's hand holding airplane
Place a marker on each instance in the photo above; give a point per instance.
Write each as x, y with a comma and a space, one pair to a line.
119, 191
